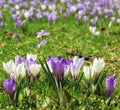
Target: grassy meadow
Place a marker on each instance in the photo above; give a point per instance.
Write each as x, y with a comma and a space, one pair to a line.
68, 38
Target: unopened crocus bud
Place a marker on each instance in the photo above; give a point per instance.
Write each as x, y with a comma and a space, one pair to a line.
98, 65
110, 84
75, 66
10, 86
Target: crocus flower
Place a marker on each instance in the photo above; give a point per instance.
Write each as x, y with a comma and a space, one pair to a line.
13, 10
52, 7
38, 15
43, 7
85, 18
110, 83
52, 16
17, 7
10, 86
56, 66
94, 21
28, 63
27, 14
19, 60
98, 65
31, 56
73, 9
94, 31
19, 23
42, 43
75, 66
118, 20
2, 24
35, 69
42, 33
19, 71
78, 16
87, 71
15, 17
9, 66
1, 16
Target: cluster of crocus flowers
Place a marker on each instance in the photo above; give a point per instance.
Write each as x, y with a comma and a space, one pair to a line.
93, 71
32, 67
82, 10
17, 71
59, 67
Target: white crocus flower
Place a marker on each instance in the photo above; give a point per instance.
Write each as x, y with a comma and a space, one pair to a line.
9, 66
17, 7
98, 65
73, 9
43, 7
27, 14
52, 7
31, 56
76, 65
35, 69
18, 71
118, 20
87, 71
93, 31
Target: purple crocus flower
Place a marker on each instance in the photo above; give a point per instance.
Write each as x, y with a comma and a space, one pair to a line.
42, 43
2, 24
85, 18
93, 13
6, 6
78, 16
52, 16
57, 66
9, 86
19, 23
15, 17
29, 62
66, 14
95, 20
1, 16
110, 83
38, 15
42, 33
19, 60
13, 10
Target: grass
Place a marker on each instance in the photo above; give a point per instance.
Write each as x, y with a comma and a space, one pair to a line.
67, 38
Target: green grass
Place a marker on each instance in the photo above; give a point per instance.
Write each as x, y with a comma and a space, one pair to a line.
67, 38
